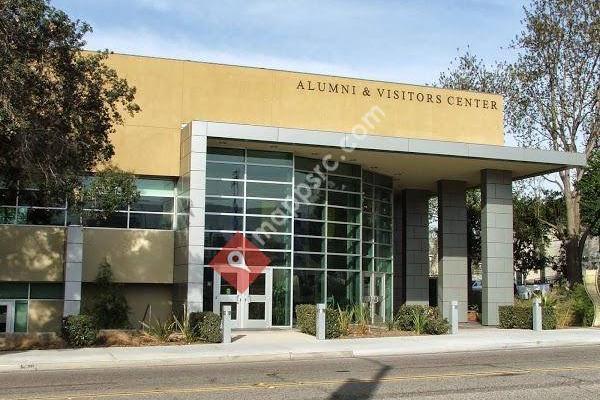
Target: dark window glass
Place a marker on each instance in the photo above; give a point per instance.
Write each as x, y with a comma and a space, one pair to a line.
270, 190
7, 215
309, 179
276, 258
282, 296
367, 235
367, 190
224, 222
47, 291
41, 216
343, 246
309, 244
308, 287
343, 230
382, 180
342, 262
306, 260
224, 154
225, 171
384, 237
224, 205
348, 169
383, 222
383, 208
383, 195
269, 157
309, 228
216, 239
115, 220
269, 173
268, 224
368, 249
343, 215
183, 204
153, 204
305, 211
343, 183
224, 188
276, 242
310, 196
267, 207
256, 310
382, 250
383, 265
10, 290
21, 310
367, 220
367, 205
151, 221
308, 164
8, 197
367, 264
342, 288
343, 199
37, 198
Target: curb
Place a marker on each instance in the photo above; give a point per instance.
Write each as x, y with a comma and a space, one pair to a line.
282, 356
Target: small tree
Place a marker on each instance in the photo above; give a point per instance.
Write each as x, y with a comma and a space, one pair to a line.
109, 308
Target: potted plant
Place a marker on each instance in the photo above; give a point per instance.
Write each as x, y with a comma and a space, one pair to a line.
473, 313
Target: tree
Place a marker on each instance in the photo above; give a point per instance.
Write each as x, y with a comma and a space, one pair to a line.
551, 92
109, 308
58, 105
589, 189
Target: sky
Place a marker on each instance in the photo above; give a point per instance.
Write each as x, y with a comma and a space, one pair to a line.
407, 41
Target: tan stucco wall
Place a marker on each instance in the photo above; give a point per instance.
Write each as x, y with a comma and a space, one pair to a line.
45, 316
172, 92
31, 253
135, 255
140, 295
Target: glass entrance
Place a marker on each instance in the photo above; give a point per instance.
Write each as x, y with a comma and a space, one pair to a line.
249, 309
7, 319
374, 296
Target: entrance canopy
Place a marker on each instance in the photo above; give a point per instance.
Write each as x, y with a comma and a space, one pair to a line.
413, 163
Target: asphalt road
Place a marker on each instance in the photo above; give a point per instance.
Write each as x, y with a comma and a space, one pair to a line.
566, 373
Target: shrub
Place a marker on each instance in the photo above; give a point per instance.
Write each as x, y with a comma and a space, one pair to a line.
405, 318
79, 330
437, 326
419, 320
109, 309
520, 317
184, 326
206, 326
582, 305
345, 317
361, 317
306, 320
160, 330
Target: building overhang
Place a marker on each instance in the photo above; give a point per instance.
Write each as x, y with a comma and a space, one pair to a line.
413, 163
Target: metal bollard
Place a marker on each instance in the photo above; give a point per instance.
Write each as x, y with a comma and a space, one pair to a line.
226, 324
321, 321
537, 315
454, 317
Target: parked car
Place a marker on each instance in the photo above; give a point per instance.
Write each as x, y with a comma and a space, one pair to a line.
476, 286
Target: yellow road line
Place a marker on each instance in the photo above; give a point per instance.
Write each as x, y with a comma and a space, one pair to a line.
280, 385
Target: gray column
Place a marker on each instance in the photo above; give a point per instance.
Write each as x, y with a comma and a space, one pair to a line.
73, 271
452, 248
188, 274
415, 253
496, 243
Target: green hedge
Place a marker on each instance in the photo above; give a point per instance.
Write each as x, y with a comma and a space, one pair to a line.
207, 326
306, 320
437, 326
405, 316
519, 317
79, 330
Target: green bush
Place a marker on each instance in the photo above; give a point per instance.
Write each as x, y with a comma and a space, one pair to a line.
206, 326
437, 326
582, 305
109, 308
406, 316
520, 317
79, 330
306, 320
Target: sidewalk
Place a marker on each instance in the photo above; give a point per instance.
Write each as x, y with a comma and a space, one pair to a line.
291, 345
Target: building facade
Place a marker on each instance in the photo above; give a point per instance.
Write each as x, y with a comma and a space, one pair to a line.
328, 177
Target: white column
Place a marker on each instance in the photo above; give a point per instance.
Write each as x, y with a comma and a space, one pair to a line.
73, 271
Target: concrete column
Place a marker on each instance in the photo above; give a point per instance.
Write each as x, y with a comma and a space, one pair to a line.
415, 254
73, 271
188, 271
398, 248
452, 248
496, 243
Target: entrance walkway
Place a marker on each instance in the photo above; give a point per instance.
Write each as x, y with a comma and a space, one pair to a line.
277, 345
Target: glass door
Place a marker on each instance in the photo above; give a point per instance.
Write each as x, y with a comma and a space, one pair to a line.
249, 309
7, 316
